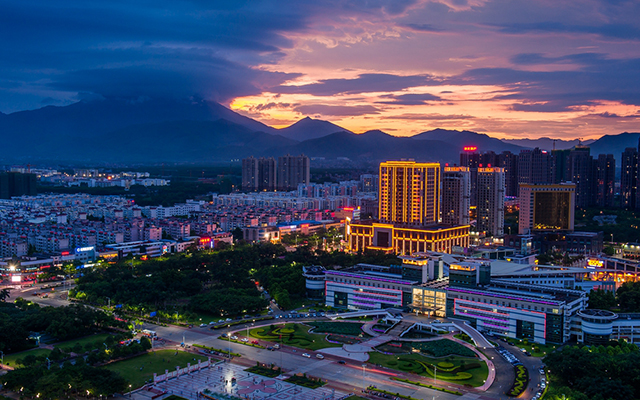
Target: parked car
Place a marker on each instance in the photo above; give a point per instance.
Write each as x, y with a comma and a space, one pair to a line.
307, 355
276, 346
203, 325
342, 362
319, 356
234, 337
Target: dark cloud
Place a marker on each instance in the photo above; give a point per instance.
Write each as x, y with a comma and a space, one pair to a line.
615, 31
409, 99
336, 111
365, 83
430, 117
422, 27
269, 106
596, 79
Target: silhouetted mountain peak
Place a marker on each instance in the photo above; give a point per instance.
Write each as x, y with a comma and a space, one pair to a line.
308, 128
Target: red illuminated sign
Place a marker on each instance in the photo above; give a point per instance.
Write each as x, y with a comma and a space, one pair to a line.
470, 148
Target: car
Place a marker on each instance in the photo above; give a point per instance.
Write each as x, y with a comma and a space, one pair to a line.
244, 339
224, 335
254, 342
234, 337
319, 356
276, 346
541, 371
322, 314
203, 325
247, 316
228, 320
270, 348
307, 355
342, 362
212, 322
35, 294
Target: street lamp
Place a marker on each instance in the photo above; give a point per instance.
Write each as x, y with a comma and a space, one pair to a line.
229, 336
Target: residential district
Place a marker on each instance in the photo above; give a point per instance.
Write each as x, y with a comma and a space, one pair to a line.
433, 298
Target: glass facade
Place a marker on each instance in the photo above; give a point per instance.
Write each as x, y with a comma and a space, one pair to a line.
555, 330
432, 302
552, 210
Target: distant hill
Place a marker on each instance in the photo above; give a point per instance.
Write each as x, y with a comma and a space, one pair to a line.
157, 130
179, 141
375, 146
547, 143
467, 138
308, 128
614, 144
49, 129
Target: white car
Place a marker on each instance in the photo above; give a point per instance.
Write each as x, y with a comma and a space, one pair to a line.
319, 356
306, 355
244, 339
203, 325
234, 337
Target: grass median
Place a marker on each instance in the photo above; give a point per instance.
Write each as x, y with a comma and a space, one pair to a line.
296, 335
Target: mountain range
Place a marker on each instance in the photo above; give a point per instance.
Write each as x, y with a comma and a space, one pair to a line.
197, 131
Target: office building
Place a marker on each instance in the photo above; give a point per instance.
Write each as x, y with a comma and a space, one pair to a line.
546, 207
560, 171
629, 178
534, 166
14, 184
509, 162
470, 158
258, 174
403, 240
291, 171
490, 208
581, 167
605, 179
456, 195
409, 193
250, 174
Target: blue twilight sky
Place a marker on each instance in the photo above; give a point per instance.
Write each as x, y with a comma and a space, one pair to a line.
508, 68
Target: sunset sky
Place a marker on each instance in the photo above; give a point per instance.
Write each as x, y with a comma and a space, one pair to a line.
516, 69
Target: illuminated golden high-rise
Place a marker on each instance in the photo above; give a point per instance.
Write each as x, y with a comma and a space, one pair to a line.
409, 193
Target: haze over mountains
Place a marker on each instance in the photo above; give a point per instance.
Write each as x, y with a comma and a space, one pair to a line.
197, 131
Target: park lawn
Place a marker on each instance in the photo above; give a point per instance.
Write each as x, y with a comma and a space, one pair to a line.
354, 397
11, 359
152, 362
68, 345
478, 375
544, 349
343, 328
301, 338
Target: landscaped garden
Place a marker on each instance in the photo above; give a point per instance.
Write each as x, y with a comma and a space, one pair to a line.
520, 384
536, 349
444, 360
344, 328
264, 371
140, 369
308, 382
435, 348
296, 335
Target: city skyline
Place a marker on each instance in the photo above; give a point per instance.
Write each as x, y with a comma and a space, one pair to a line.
511, 70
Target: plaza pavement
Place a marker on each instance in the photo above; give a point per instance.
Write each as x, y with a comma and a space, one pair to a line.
218, 379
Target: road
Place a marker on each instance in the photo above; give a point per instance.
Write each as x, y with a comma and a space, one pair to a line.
351, 376
53, 296
533, 364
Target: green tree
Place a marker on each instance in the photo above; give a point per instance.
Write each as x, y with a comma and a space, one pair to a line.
602, 299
